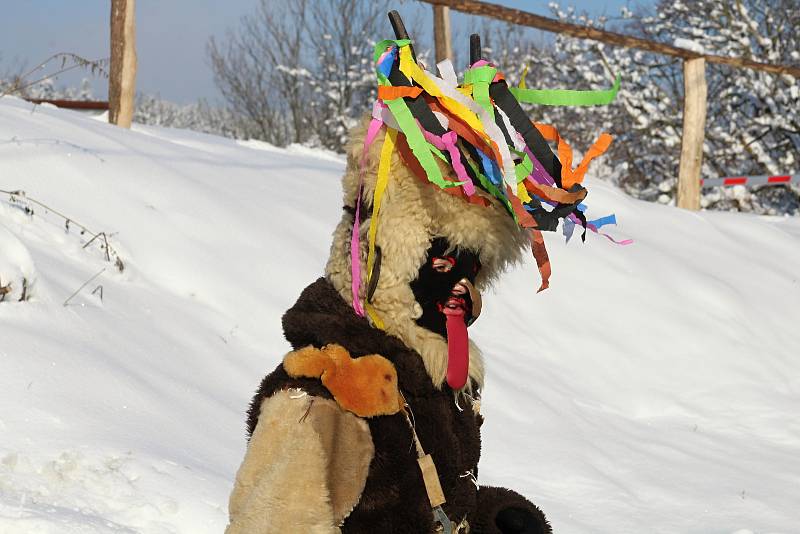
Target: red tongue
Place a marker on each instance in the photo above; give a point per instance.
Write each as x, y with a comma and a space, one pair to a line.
457, 348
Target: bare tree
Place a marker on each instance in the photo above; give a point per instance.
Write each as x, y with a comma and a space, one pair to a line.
259, 70
248, 89
300, 71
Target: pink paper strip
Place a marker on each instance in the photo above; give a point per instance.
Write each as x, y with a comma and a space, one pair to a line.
355, 238
448, 142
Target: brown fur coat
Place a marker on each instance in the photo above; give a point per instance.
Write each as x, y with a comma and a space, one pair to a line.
349, 474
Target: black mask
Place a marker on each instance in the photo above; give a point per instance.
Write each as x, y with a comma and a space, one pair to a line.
436, 284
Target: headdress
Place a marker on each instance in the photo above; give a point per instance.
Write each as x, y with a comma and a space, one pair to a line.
457, 160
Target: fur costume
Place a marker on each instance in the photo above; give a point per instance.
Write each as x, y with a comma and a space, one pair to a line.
332, 429
391, 497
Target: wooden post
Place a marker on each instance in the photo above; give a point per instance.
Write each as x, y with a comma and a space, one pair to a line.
694, 125
122, 75
441, 33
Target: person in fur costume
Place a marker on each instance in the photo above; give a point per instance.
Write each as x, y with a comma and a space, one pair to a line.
371, 424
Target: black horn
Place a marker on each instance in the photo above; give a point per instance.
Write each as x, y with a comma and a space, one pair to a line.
397, 25
399, 28
475, 52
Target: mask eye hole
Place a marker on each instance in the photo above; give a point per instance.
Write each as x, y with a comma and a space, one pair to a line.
443, 265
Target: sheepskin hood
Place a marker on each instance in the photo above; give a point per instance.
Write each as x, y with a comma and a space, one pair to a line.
412, 213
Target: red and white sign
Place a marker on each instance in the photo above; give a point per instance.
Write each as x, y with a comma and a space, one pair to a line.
751, 180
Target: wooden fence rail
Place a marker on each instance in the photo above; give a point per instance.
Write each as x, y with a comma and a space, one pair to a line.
523, 18
93, 105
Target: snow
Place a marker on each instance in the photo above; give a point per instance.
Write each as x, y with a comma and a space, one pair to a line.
653, 388
688, 44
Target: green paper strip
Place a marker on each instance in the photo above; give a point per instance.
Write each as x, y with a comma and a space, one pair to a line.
416, 141
524, 169
438, 153
567, 97
480, 78
483, 74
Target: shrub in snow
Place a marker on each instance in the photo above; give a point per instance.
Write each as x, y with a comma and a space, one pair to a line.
47, 89
17, 273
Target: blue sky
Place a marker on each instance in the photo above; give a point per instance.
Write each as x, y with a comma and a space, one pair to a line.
171, 36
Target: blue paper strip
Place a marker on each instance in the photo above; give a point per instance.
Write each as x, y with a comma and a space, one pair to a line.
602, 221
490, 169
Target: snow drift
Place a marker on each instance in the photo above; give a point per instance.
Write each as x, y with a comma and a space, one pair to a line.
653, 388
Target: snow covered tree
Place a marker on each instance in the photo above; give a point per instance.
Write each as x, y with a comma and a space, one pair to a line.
752, 126
199, 116
343, 36
47, 89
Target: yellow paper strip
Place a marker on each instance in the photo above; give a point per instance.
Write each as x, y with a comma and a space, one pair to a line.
380, 187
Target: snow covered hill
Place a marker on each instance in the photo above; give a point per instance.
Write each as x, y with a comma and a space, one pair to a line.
653, 389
